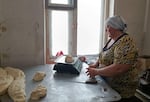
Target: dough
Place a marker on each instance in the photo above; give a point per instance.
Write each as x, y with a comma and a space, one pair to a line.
17, 90
39, 76
15, 72
69, 59
2, 72
5, 81
39, 92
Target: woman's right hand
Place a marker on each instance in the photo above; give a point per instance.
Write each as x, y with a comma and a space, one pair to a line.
94, 65
92, 72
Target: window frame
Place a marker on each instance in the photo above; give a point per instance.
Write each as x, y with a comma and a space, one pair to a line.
72, 5
73, 27
72, 9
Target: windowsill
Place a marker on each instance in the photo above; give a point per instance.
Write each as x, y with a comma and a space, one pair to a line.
90, 59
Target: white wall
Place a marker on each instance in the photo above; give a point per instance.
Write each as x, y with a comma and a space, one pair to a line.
146, 39
1, 16
23, 42
134, 13
0, 10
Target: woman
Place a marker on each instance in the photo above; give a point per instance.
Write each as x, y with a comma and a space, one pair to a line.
118, 59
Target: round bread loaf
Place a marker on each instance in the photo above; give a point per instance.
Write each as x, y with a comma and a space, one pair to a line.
69, 59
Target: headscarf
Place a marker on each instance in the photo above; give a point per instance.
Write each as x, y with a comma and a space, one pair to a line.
117, 22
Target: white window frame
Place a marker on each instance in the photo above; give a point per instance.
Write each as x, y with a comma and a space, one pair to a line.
72, 30
70, 6
73, 26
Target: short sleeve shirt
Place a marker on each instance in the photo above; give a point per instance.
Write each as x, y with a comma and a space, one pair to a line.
122, 51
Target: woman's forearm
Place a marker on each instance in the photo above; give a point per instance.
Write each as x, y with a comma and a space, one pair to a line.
113, 70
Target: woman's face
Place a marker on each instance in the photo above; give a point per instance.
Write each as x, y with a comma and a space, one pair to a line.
110, 31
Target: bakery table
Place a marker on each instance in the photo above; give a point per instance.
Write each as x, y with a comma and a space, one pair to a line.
63, 87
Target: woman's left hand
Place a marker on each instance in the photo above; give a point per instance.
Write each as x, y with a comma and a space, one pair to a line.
92, 72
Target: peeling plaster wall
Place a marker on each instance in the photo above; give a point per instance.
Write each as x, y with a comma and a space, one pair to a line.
23, 42
134, 13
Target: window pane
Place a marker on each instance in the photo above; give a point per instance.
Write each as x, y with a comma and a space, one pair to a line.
59, 1
88, 27
59, 31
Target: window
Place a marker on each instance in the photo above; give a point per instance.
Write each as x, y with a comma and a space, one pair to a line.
61, 4
75, 27
89, 27
59, 1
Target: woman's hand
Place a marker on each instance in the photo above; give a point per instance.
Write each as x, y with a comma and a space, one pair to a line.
92, 72
95, 65
82, 58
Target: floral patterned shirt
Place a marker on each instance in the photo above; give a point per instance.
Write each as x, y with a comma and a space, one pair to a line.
122, 51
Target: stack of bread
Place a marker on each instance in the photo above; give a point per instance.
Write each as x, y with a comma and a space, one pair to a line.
12, 80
